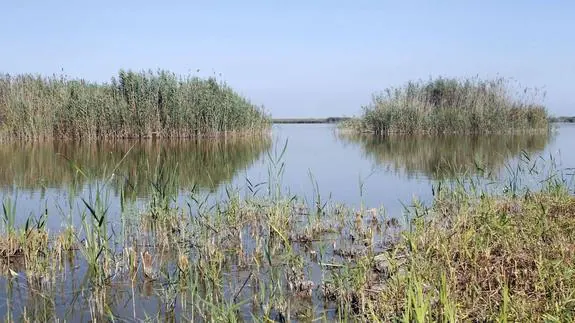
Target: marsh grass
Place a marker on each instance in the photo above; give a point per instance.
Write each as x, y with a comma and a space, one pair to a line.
476, 253
492, 258
131, 105
22, 242
444, 106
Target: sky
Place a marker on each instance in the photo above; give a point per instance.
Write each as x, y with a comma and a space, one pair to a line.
300, 58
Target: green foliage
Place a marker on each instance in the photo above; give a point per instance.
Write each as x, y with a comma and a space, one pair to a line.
500, 258
443, 105
133, 105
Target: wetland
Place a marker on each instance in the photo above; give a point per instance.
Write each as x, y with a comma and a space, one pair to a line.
157, 197
310, 223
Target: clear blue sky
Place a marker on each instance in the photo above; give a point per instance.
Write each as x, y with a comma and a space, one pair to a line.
300, 58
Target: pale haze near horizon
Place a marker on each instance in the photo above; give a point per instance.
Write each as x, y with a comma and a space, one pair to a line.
300, 58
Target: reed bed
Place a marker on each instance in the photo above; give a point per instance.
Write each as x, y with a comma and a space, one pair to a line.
131, 105
474, 254
453, 106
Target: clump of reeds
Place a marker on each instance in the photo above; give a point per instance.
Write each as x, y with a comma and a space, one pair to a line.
444, 105
132, 105
562, 119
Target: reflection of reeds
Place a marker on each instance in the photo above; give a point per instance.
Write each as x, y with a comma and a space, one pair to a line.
205, 163
441, 157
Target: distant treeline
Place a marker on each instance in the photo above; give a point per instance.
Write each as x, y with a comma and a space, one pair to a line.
311, 120
444, 106
131, 105
562, 119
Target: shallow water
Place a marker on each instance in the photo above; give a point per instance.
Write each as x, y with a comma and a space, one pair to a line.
353, 170
378, 172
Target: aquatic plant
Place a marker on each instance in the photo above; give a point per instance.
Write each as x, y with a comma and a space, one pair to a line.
443, 106
476, 253
132, 105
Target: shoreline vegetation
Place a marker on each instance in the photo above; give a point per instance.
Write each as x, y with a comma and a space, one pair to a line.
476, 253
563, 119
452, 106
309, 120
132, 105
340, 120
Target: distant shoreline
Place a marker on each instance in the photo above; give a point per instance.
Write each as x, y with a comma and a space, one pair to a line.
562, 119
310, 120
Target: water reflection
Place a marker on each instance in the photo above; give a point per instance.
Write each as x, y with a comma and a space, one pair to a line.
445, 157
205, 163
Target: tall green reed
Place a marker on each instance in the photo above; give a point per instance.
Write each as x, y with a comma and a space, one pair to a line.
443, 105
131, 105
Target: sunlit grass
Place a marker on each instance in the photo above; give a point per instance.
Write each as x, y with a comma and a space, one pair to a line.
444, 106
131, 105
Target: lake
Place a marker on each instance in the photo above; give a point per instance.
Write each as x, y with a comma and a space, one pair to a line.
353, 170
347, 169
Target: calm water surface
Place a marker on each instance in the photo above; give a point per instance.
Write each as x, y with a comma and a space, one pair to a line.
348, 169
